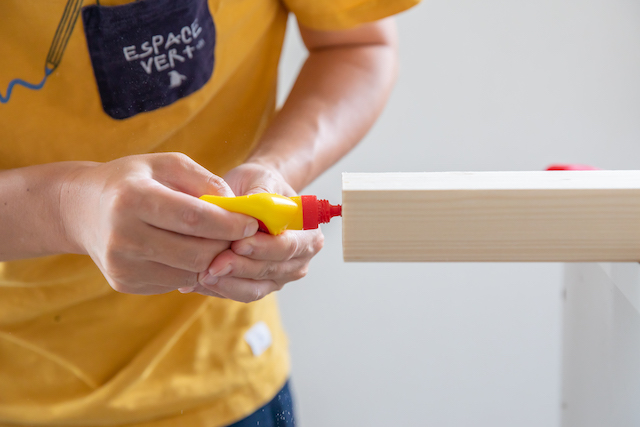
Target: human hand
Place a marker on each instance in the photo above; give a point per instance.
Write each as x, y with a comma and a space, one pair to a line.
255, 266
141, 222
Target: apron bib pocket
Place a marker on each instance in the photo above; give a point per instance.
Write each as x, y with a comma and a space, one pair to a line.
150, 53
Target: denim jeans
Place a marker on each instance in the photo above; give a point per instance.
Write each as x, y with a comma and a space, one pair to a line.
277, 413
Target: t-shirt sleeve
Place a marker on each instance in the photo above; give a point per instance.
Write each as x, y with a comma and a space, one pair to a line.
343, 14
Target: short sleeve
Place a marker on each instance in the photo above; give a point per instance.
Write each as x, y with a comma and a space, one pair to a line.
344, 14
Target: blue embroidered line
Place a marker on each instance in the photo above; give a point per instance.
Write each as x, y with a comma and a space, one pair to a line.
12, 83
58, 46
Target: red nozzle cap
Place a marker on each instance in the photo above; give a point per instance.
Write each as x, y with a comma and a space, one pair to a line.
315, 212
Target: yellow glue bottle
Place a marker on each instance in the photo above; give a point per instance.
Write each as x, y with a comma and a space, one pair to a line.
277, 213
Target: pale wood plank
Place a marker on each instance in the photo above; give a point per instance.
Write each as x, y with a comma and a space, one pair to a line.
492, 216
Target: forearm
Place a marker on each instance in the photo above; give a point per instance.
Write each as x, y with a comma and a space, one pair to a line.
340, 91
30, 219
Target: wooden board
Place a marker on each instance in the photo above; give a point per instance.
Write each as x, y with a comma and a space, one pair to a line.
492, 216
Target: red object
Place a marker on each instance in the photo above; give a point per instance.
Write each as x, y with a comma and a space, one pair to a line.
262, 227
571, 167
315, 212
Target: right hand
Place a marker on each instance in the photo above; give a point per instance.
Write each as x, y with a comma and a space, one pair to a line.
141, 222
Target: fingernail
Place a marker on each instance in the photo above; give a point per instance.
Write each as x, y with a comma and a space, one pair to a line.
220, 271
244, 250
251, 229
209, 280
186, 289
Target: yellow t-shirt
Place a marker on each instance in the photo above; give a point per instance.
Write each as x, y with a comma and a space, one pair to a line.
72, 350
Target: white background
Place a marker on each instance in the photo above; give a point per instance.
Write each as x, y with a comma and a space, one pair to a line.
489, 85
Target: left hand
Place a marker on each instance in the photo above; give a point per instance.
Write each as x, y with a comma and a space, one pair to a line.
258, 265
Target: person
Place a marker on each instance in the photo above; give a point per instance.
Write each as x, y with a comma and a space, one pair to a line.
124, 299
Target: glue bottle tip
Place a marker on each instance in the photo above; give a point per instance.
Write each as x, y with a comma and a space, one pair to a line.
317, 211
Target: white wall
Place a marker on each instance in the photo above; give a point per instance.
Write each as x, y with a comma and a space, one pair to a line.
601, 373
489, 85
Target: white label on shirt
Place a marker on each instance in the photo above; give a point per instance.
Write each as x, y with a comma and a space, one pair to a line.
259, 338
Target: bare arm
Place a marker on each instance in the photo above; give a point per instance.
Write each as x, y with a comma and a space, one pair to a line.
31, 224
136, 217
340, 91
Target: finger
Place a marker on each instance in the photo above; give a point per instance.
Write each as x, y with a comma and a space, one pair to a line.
249, 179
174, 211
180, 172
193, 254
202, 291
288, 245
139, 290
148, 278
243, 290
228, 264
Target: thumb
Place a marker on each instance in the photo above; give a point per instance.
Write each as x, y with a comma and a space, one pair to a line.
245, 180
261, 186
179, 172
